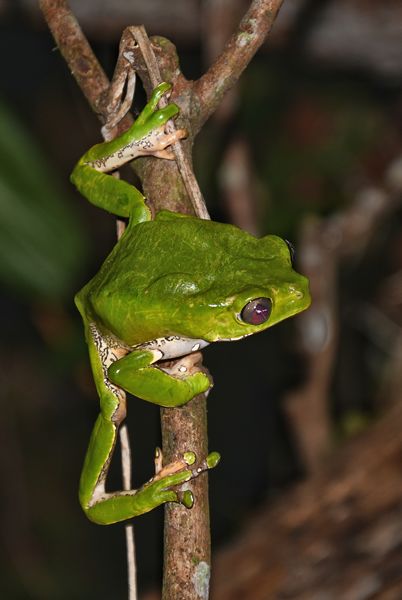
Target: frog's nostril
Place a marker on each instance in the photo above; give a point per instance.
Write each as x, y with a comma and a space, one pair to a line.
297, 292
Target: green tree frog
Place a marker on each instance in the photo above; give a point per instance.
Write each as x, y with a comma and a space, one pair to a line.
170, 286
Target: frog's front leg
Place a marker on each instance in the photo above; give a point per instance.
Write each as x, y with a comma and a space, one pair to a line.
110, 507
138, 373
147, 136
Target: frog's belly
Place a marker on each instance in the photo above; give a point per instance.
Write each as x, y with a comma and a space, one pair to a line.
173, 346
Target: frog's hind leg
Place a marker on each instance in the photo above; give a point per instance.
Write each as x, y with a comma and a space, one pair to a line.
104, 507
110, 507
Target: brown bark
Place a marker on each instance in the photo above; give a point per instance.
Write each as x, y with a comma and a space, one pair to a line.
80, 59
76, 52
237, 53
187, 551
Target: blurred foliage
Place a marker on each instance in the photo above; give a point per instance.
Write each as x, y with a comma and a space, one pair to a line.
41, 242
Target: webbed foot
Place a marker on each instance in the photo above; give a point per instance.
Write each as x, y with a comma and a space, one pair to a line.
109, 508
179, 472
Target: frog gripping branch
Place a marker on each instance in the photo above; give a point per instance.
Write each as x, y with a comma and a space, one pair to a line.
215, 283
115, 365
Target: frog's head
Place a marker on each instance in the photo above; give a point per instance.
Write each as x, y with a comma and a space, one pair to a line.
266, 290
250, 285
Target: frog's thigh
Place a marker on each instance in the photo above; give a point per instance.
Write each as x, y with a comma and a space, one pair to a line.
135, 374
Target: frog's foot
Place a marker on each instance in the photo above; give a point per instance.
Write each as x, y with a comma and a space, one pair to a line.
186, 467
165, 383
188, 459
185, 366
156, 141
105, 508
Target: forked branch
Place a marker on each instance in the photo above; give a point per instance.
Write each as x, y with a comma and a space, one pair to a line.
208, 90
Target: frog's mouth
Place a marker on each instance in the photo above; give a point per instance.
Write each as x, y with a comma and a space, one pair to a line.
173, 346
237, 338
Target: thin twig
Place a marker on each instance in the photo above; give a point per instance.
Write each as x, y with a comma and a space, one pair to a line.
116, 108
129, 529
105, 100
190, 181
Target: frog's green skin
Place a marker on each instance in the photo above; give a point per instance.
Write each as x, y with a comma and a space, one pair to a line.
169, 287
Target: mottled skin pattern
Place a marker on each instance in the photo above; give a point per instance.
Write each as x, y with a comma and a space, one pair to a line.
169, 287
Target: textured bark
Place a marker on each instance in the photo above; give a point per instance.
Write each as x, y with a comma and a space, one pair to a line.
187, 560
80, 59
76, 51
237, 53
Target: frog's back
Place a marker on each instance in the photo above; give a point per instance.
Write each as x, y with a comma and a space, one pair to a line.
172, 243
139, 270
156, 264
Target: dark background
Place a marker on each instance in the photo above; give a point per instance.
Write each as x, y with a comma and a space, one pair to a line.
319, 111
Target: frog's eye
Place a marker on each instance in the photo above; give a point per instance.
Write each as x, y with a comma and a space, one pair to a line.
292, 252
256, 311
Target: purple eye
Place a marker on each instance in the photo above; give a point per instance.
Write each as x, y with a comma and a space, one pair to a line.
257, 311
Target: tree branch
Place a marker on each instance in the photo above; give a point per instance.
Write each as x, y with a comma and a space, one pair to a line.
81, 61
187, 555
237, 53
182, 160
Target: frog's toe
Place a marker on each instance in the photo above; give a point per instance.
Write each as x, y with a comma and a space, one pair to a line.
166, 154
161, 117
213, 459
163, 140
186, 498
166, 484
170, 481
184, 469
162, 89
199, 383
